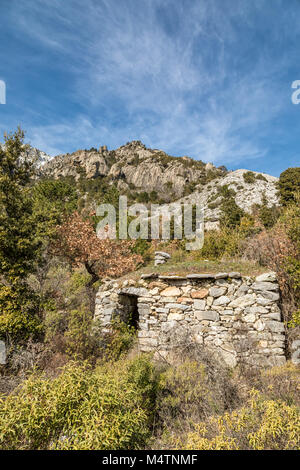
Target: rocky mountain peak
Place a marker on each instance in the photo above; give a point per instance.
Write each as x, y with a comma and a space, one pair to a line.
137, 170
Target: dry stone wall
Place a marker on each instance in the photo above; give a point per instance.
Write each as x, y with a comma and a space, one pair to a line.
237, 318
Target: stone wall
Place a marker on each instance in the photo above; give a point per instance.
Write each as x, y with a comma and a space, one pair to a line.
238, 318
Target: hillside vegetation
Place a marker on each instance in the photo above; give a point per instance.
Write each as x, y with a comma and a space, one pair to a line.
69, 384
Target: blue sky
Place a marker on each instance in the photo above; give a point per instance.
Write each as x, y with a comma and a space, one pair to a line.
206, 78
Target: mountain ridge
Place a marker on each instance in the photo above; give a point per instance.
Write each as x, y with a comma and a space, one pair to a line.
136, 171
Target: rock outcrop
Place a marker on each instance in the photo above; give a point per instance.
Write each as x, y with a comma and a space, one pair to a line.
135, 168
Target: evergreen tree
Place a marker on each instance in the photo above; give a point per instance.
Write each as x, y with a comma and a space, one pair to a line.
289, 185
19, 244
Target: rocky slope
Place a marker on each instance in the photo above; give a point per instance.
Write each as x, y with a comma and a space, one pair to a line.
133, 167
247, 193
37, 156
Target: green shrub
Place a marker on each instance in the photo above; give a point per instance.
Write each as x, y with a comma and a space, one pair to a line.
81, 338
249, 177
153, 196
231, 213
261, 177
119, 340
268, 215
142, 197
110, 407
19, 317
55, 195
219, 243
213, 205
189, 188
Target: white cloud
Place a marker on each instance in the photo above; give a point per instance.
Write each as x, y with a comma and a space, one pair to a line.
174, 74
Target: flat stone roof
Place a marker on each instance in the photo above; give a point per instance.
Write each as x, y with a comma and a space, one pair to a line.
170, 277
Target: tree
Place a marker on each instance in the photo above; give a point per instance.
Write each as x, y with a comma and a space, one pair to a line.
78, 243
289, 185
58, 194
268, 215
52, 200
20, 240
19, 243
231, 213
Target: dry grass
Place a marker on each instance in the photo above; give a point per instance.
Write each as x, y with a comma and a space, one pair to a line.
189, 266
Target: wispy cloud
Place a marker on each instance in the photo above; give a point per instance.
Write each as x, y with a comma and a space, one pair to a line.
187, 77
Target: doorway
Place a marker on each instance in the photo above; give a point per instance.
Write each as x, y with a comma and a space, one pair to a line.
129, 311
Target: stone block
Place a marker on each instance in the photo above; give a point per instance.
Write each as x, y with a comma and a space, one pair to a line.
263, 301
199, 294
207, 315
295, 357
257, 310
217, 291
2, 353
275, 326
265, 286
221, 275
223, 300
177, 306
259, 325
199, 304
235, 275
266, 277
162, 310
175, 316
250, 318
244, 301
171, 291
272, 316
200, 276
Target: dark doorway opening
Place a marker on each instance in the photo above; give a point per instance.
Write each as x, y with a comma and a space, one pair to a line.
130, 313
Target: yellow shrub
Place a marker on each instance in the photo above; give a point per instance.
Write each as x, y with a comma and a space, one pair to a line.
282, 383
262, 424
106, 408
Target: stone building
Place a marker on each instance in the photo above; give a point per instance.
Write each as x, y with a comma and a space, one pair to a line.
236, 317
